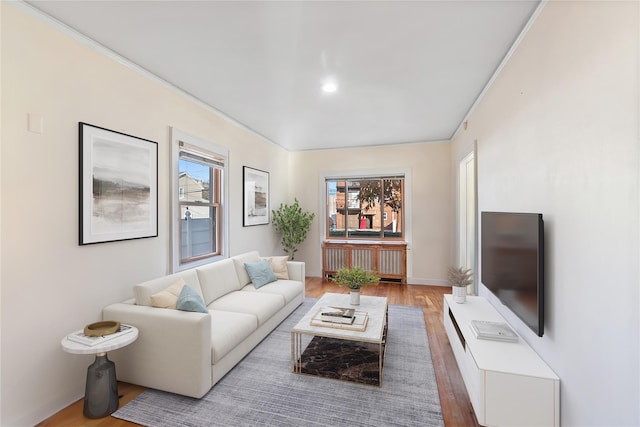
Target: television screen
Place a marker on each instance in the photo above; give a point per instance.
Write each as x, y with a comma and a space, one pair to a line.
512, 263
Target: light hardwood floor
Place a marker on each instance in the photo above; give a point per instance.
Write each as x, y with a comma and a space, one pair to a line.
456, 408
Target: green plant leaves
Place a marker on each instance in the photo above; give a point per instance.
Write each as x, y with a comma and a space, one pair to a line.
355, 278
293, 224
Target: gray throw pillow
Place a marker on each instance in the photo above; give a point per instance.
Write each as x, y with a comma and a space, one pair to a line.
189, 300
260, 273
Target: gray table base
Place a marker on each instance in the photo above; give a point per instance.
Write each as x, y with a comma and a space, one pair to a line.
101, 391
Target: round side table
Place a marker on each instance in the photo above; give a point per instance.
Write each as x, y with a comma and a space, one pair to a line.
101, 390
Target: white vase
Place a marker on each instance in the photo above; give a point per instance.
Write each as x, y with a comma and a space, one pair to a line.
459, 294
354, 297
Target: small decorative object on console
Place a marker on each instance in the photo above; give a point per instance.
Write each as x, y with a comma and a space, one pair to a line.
459, 279
498, 331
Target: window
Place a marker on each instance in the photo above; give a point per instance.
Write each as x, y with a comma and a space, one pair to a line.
365, 208
199, 220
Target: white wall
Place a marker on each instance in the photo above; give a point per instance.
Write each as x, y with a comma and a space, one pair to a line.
50, 285
432, 218
0, 216
558, 134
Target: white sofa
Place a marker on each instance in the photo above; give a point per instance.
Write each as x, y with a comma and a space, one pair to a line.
188, 352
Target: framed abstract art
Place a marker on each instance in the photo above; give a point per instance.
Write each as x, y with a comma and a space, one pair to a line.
256, 197
118, 186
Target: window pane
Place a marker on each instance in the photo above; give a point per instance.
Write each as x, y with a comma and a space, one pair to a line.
335, 206
369, 217
194, 181
197, 231
352, 211
393, 190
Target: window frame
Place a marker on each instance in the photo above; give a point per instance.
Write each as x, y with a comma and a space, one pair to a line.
217, 154
353, 175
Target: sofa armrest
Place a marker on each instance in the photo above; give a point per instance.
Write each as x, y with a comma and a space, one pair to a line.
172, 352
296, 270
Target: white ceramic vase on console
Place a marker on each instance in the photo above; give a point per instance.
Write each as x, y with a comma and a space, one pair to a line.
459, 294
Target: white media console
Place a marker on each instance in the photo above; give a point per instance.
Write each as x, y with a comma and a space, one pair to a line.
508, 383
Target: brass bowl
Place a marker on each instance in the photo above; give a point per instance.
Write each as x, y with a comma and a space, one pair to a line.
100, 329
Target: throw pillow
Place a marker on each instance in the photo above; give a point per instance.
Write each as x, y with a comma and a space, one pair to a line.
168, 297
189, 300
260, 273
279, 266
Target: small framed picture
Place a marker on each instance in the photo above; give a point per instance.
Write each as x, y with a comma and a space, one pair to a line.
256, 197
118, 186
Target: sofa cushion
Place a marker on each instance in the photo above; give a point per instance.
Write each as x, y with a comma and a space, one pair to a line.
289, 289
239, 261
279, 266
217, 279
228, 329
189, 300
143, 291
260, 273
261, 304
168, 297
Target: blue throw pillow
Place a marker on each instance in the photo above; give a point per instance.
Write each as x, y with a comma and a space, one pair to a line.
189, 300
260, 273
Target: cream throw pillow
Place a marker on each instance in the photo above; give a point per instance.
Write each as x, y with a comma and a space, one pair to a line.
279, 266
168, 297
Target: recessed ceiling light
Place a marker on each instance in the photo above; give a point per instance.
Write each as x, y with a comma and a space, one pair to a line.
329, 87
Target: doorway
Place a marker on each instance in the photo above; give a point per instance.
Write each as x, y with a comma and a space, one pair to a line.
467, 216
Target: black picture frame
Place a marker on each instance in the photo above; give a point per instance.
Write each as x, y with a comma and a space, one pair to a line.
255, 185
118, 186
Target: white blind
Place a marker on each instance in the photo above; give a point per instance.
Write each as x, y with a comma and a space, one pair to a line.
197, 154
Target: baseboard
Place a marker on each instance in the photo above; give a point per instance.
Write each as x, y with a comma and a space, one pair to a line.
427, 282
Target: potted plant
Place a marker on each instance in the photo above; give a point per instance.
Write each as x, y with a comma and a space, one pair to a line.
293, 224
459, 279
354, 279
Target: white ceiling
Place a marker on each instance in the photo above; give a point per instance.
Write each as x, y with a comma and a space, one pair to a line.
406, 71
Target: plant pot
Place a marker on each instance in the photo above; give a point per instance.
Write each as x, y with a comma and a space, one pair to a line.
459, 294
354, 297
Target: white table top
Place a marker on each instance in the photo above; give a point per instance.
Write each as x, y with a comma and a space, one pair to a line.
108, 345
376, 307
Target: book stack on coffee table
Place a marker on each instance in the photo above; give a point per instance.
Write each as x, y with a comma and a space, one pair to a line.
340, 317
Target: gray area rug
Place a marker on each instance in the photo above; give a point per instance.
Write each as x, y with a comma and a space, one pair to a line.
262, 391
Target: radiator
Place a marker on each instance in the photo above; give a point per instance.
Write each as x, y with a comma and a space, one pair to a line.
386, 263
390, 262
362, 258
335, 258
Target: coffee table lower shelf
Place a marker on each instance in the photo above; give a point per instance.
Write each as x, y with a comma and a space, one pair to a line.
344, 360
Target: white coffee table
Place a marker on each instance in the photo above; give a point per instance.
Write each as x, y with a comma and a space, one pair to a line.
101, 390
375, 332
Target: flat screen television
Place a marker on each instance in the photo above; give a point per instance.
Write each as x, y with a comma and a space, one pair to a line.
512, 263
